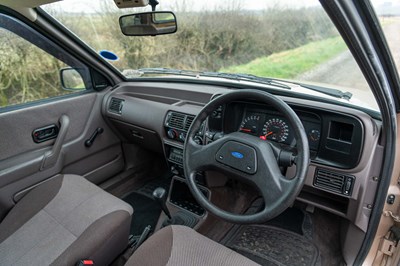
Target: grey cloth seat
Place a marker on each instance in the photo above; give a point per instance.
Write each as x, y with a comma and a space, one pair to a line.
62, 221
181, 245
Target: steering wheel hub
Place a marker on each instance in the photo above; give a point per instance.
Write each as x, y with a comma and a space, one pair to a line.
238, 156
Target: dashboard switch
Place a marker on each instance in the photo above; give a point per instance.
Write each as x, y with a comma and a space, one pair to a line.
198, 140
172, 134
210, 135
390, 199
182, 137
174, 170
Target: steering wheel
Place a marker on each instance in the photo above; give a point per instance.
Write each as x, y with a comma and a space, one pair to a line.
248, 158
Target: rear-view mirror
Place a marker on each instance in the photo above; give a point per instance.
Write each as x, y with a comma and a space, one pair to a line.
71, 79
149, 23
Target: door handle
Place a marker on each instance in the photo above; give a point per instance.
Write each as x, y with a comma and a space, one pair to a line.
45, 133
50, 158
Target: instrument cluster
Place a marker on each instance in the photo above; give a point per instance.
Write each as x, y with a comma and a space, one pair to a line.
274, 127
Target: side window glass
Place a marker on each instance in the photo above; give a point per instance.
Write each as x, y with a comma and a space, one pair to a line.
32, 68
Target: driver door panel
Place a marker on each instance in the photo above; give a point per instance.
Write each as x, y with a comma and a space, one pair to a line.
43, 125
23, 162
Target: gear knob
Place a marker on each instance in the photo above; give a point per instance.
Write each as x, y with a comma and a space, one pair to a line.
160, 196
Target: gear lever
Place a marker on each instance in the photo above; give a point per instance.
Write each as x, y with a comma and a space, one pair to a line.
160, 196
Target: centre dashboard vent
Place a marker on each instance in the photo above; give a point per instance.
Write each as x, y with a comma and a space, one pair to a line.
335, 182
188, 122
116, 105
179, 121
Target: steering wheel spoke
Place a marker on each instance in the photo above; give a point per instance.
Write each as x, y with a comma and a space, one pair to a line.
268, 179
201, 157
272, 186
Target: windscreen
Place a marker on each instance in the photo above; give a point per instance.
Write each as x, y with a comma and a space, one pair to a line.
293, 40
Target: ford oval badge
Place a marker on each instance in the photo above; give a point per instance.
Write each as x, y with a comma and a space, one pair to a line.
237, 155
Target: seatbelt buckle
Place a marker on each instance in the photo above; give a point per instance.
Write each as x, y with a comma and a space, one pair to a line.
84, 263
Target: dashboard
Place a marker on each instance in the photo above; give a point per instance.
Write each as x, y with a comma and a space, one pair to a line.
344, 142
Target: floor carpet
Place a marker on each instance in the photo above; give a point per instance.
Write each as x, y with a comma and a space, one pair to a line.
145, 212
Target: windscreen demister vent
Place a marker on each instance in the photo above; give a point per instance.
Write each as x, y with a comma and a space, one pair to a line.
116, 105
179, 121
335, 182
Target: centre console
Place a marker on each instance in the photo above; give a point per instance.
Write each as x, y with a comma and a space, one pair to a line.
182, 206
174, 156
182, 197
180, 202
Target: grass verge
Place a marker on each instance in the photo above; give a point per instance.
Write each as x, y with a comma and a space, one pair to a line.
291, 63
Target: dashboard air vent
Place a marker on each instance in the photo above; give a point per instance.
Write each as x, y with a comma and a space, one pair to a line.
188, 122
116, 105
179, 121
176, 120
334, 182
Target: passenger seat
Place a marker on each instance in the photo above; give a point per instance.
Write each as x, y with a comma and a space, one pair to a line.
62, 221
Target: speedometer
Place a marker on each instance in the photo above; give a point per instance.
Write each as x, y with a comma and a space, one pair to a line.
276, 129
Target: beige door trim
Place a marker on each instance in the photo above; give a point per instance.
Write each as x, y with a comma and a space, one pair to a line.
375, 255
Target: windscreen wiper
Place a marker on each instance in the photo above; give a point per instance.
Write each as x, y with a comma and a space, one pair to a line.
324, 90
161, 70
248, 77
328, 91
